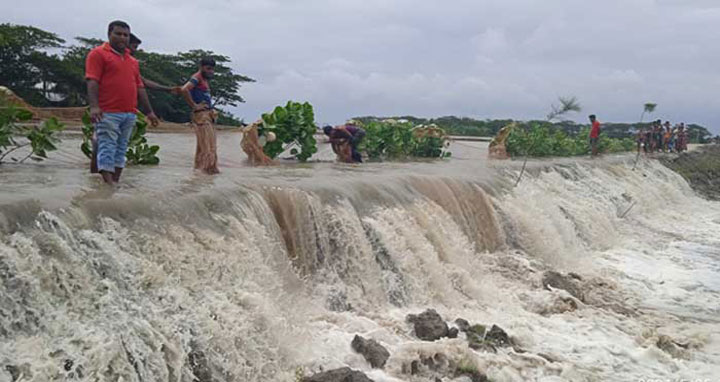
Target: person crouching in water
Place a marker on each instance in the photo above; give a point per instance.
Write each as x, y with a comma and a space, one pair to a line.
348, 134
197, 94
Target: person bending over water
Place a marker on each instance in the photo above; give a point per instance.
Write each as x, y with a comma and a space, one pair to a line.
348, 134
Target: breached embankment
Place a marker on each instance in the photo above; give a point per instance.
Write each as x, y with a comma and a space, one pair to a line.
268, 282
701, 168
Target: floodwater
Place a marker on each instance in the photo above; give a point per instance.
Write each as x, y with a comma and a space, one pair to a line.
264, 274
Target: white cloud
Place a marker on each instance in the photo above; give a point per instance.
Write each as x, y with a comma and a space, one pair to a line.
481, 58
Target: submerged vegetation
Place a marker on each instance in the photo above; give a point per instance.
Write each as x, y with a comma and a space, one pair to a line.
390, 139
463, 126
543, 141
138, 152
293, 124
17, 134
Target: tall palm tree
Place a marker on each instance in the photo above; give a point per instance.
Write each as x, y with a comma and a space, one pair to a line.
567, 105
648, 108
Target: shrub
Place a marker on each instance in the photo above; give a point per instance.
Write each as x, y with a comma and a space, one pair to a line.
138, 152
399, 140
40, 139
292, 124
542, 141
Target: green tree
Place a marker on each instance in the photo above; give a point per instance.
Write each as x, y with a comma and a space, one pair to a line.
25, 62
70, 79
38, 67
647, 108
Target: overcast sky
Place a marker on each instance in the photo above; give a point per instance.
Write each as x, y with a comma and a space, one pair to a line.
477, 58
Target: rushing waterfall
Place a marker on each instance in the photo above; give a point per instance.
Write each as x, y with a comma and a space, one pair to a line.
261, 281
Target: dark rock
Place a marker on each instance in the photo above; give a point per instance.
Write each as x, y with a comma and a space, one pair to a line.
462, 324
453, 333
430, 367
482, 345
429, 326
477, 376
476, 339
14, 372
560, 281
668, 345
337, 301
481, 340
199, 365
344, 374
498, 337
478, 330
438, 362
414, 367
472, 372
373, 352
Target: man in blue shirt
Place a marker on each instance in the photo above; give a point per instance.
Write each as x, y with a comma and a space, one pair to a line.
197, 94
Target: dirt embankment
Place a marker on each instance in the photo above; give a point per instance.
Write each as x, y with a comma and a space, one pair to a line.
72, 116
701, 168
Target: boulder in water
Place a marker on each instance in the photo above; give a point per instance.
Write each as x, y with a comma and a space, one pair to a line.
373, 352
462, 324
429, 326
569, 283
498, 337
439, 367
199, 366
481, 339
668, 345
344, 374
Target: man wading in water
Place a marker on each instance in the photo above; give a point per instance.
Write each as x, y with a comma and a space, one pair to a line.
114, 84
149, 84
197, 94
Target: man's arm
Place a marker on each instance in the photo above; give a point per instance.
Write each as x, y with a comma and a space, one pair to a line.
94, 68
93, 89
150, 84
147, 108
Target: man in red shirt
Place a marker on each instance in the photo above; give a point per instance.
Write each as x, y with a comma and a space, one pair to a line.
594, 135
114, 85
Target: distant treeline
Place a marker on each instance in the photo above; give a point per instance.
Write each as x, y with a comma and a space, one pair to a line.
41, 68
490, 127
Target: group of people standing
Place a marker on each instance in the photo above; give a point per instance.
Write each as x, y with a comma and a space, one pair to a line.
114, 87
659, 137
